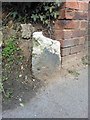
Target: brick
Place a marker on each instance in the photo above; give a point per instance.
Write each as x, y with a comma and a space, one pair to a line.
76, 41
74, 49
74, 33
73, 14
65, 52
88, 14
86, 38
77, 49
68, 34
88, 31
89, 34
89, 44
72, 57
72, 24
81, 15
58, 25
88, 24
67, 14
84, 24
69, 58
78, 1
81, 40
69, 43
59, 34
86, 45
67, 24
80, 48
72, 5
89, 5
79, 33
83, 5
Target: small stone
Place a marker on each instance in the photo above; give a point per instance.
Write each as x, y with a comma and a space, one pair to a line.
22, 67
26, 77
21, 104
43, 67
27, 30
33, 80
20, 75
20, 99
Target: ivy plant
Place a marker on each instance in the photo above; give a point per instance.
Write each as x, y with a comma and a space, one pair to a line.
45, 12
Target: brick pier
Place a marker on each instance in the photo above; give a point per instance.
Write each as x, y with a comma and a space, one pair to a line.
71, 29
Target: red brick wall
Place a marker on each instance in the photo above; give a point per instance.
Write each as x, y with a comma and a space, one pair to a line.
71, 28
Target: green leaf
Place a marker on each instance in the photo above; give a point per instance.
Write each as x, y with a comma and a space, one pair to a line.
46, 21
41, 17
14, 14
46, 8
50, 9
34, 17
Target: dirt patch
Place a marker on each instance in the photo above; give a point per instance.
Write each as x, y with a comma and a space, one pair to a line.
19, 84
18, 81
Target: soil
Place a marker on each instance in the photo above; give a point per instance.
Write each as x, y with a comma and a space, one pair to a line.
18, 81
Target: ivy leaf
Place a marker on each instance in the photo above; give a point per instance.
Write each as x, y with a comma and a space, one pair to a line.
14, 14
52, 14
55, 15
46, 21
46, 8
34, 17
41, 17
51, 9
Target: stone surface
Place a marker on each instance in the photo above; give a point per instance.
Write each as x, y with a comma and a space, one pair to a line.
46, 53
27, 30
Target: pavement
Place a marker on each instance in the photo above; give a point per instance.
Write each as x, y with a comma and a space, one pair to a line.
63, 97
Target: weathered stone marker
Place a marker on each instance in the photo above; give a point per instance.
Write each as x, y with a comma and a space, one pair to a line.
46, 55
